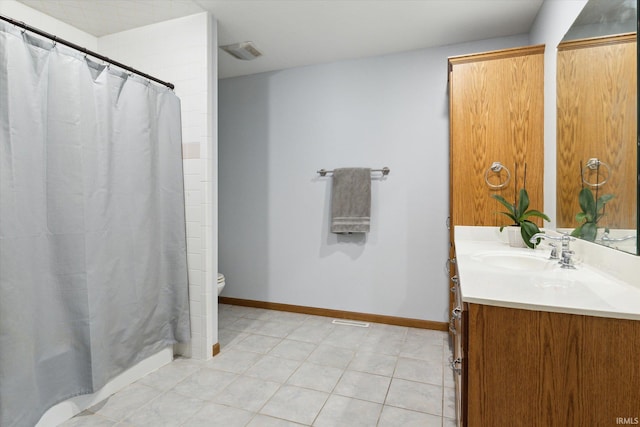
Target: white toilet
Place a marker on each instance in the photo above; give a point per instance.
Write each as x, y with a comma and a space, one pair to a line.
220, 283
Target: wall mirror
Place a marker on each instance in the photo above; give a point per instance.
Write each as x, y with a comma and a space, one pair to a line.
597, 117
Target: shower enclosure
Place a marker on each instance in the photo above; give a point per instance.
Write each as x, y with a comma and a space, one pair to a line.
93, 274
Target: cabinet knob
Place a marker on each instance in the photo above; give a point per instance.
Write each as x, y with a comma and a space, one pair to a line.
456, 365
448, 264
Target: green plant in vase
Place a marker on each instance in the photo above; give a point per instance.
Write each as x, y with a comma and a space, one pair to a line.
593, 209
520, 213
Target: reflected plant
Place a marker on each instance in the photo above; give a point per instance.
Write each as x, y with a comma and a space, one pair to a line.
593, 209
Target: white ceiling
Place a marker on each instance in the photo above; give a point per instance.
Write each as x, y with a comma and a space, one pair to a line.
293, 33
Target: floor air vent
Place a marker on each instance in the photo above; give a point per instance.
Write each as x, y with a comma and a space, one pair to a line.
350, 323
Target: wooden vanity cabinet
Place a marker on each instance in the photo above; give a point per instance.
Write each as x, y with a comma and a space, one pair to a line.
496, 114
536, 368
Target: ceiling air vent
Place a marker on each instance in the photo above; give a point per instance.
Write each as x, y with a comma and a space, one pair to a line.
243, 50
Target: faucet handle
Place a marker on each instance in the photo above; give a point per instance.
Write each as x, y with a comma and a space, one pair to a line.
554, 251
567, 260
566, 239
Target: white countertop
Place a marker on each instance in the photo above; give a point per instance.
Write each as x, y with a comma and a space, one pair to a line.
540, 285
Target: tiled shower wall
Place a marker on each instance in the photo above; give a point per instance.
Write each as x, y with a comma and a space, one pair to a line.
183, 52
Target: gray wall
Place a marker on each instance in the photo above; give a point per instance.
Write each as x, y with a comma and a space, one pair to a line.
277, 129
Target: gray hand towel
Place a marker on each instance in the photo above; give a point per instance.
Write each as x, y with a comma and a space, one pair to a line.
351, 200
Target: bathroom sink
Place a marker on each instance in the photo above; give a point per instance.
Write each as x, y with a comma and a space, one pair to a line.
511, 260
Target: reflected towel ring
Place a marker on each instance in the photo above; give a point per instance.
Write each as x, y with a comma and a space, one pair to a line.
496, 167
594, 164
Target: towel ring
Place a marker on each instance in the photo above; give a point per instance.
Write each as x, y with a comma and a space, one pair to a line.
496, 167
594, 164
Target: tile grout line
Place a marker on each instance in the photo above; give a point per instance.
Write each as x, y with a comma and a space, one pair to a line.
289, 326
285, 383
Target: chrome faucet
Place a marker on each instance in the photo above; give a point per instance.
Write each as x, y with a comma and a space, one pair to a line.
566, 260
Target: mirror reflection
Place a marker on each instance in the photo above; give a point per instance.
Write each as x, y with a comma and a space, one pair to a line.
597, 126
604, 18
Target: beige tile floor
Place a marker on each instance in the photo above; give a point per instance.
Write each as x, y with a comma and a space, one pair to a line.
287, 369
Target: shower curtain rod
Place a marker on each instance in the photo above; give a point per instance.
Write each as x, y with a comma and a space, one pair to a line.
84, 50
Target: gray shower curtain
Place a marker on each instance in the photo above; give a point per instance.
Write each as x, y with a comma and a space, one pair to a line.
93, 274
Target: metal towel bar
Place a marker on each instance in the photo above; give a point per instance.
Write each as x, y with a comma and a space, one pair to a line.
385, 171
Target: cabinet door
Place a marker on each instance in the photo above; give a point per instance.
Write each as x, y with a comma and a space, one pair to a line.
496, 115
535, 368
